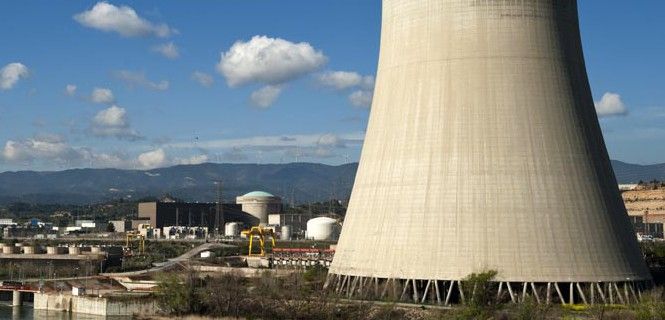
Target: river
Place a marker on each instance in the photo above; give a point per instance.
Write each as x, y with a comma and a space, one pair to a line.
27, 313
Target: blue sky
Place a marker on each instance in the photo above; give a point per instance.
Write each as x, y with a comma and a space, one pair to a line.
148, 84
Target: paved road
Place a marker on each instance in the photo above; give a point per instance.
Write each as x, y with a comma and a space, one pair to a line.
173, 261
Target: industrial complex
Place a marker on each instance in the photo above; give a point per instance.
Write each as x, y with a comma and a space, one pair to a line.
483, 155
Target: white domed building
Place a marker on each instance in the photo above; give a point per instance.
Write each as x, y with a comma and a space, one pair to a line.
260, 204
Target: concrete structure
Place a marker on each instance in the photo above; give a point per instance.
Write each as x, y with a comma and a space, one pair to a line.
285, 233
28, 250
121, 225
232, 229
163, 214
260, 204
322, 228
297, 221
9, 250
110, 306
483, 151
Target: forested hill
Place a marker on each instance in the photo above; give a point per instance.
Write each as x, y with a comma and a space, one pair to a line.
294, 182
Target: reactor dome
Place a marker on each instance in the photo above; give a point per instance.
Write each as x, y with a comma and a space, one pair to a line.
260, 204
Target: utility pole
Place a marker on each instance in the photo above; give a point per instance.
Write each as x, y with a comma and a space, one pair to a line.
219, 214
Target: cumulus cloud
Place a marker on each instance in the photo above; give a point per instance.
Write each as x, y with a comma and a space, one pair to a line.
340, 80
361, 98
271, 62
168, 50
47, 147
70, 90
202, 78
196, 159
610, 105
113, 122
11, 74
331, 140
55, 149
265, 96
138, 79
123, 20
101, 95
268, 60
153, 159
362, 86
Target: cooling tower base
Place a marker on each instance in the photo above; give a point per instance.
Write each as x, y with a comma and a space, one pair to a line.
447, 292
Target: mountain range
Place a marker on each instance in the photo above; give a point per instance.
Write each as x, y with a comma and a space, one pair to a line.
294, 182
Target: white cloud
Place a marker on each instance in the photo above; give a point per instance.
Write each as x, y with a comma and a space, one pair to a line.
153, 159
278, 142
113, 122
55, 149
267, 60
196, 159
331, 140
101, 95
340, 80
123, 20
70, 89
168, 50
610, 105
265, 96
133, 79
361, 98
11, 74
202, 78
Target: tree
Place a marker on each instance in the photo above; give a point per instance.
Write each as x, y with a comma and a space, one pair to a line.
110, 227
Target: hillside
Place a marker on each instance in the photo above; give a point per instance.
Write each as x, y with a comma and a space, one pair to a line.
302, 181
298, 182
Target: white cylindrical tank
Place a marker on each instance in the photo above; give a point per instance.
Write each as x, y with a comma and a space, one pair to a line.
322, 228
286, 233
73, 250
28, 250
8, 249
232, 229
95, 250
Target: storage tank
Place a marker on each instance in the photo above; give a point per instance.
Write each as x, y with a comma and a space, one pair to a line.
28, 250
74, 250
286, 233
54, 250
322, 228
232, 229
8, 249
96, 250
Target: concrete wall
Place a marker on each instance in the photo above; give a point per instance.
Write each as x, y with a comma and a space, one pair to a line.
95, 305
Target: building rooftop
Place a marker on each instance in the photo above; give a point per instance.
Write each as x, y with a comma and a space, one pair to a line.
258, 194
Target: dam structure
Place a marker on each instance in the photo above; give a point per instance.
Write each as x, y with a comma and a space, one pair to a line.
483, 152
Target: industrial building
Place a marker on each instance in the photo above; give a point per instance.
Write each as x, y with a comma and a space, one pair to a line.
260, 204
163, 214
483, 151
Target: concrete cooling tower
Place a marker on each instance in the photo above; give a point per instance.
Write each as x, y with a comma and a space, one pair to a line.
483, 152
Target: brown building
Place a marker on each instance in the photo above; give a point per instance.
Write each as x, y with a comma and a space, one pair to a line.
163, 214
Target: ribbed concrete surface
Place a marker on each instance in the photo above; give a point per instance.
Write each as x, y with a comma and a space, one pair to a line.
483, 151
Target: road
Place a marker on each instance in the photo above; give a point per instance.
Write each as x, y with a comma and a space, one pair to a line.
173, 261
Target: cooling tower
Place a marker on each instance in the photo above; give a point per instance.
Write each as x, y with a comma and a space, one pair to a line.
484, 152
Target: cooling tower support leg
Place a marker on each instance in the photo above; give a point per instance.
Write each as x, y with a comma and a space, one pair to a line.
446, 292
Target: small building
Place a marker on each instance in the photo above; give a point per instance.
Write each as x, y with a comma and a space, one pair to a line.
121, 225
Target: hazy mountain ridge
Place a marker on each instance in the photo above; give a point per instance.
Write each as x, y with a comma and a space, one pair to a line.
299, 182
